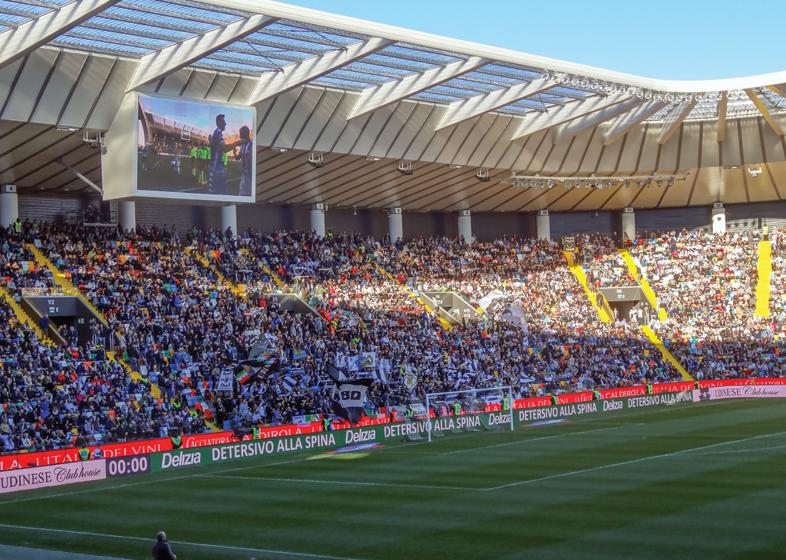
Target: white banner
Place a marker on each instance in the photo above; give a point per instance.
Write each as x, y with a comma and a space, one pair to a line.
515, 315
350, 395
52, 475
226, 381
486, 300
739, 392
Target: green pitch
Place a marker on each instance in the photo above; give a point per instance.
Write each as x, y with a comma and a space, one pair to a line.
688, 481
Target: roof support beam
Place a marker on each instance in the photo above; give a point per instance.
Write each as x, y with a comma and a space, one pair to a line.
625, 122
460, 111
567, 113
295, 75
723, 102
674, 120
776, 128
780, 89
375, 98
174, 57
577, 126
78, 175
35, 33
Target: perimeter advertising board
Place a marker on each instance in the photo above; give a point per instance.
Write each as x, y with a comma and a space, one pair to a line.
401, 431
52, 475
56, 468
740, 392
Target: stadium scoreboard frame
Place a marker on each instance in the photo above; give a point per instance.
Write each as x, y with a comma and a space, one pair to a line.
124, 162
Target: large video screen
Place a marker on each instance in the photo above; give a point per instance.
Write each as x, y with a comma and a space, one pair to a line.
193, 150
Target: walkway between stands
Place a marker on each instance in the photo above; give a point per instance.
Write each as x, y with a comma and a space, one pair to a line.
412, 294
239, 290
283, 286
646, 289
22, 316
764, 269
68, 287
581, 276
668, 356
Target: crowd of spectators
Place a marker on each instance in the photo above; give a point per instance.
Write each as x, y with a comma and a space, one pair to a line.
185, 326
18, 268
56, 396
706, 284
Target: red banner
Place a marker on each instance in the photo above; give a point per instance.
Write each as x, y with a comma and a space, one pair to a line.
289, 430
675, 387
533, 402
212, 438
622, 392
570, 398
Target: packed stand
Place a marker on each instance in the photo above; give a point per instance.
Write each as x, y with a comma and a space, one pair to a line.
52, 397
706, 283
183, 328
18, 268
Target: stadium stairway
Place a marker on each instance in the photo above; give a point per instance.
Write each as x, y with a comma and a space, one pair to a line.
578, 271
667, 355
431, 306
479, 310
62, 281
413, 295
23, 317
646, 289
283, 286
238, 289
763, 284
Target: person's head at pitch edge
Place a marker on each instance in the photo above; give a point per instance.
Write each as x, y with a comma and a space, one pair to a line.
245, 133
221, 121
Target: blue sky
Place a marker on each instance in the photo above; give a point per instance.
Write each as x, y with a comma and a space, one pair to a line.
678, 40
202, 115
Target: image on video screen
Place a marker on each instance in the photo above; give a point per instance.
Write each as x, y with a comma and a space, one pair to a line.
195, 148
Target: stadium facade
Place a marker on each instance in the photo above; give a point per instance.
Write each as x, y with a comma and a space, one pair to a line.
360, 119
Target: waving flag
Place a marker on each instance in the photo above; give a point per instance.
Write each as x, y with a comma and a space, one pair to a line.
349, 397
247, 370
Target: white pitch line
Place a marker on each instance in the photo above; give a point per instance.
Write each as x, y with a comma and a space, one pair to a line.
738, 451
286, 553
141, 483
338, 482
89, 490
630, 462
528, 440
641, 412
163, 480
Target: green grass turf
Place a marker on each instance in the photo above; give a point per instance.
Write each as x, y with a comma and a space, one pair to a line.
687, 481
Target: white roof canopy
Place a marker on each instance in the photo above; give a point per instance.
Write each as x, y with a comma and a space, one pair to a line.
360, 92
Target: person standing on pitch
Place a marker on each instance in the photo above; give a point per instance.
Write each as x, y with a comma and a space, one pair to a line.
216, 171
162, 550
246, 157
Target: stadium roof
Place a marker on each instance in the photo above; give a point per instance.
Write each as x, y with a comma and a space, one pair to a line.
364, 96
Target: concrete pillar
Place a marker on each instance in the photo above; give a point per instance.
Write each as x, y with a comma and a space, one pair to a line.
318, 219
543, 225
718, 218
628, 225
229, 218
127, 215
465, 225
9, 205
395, 224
